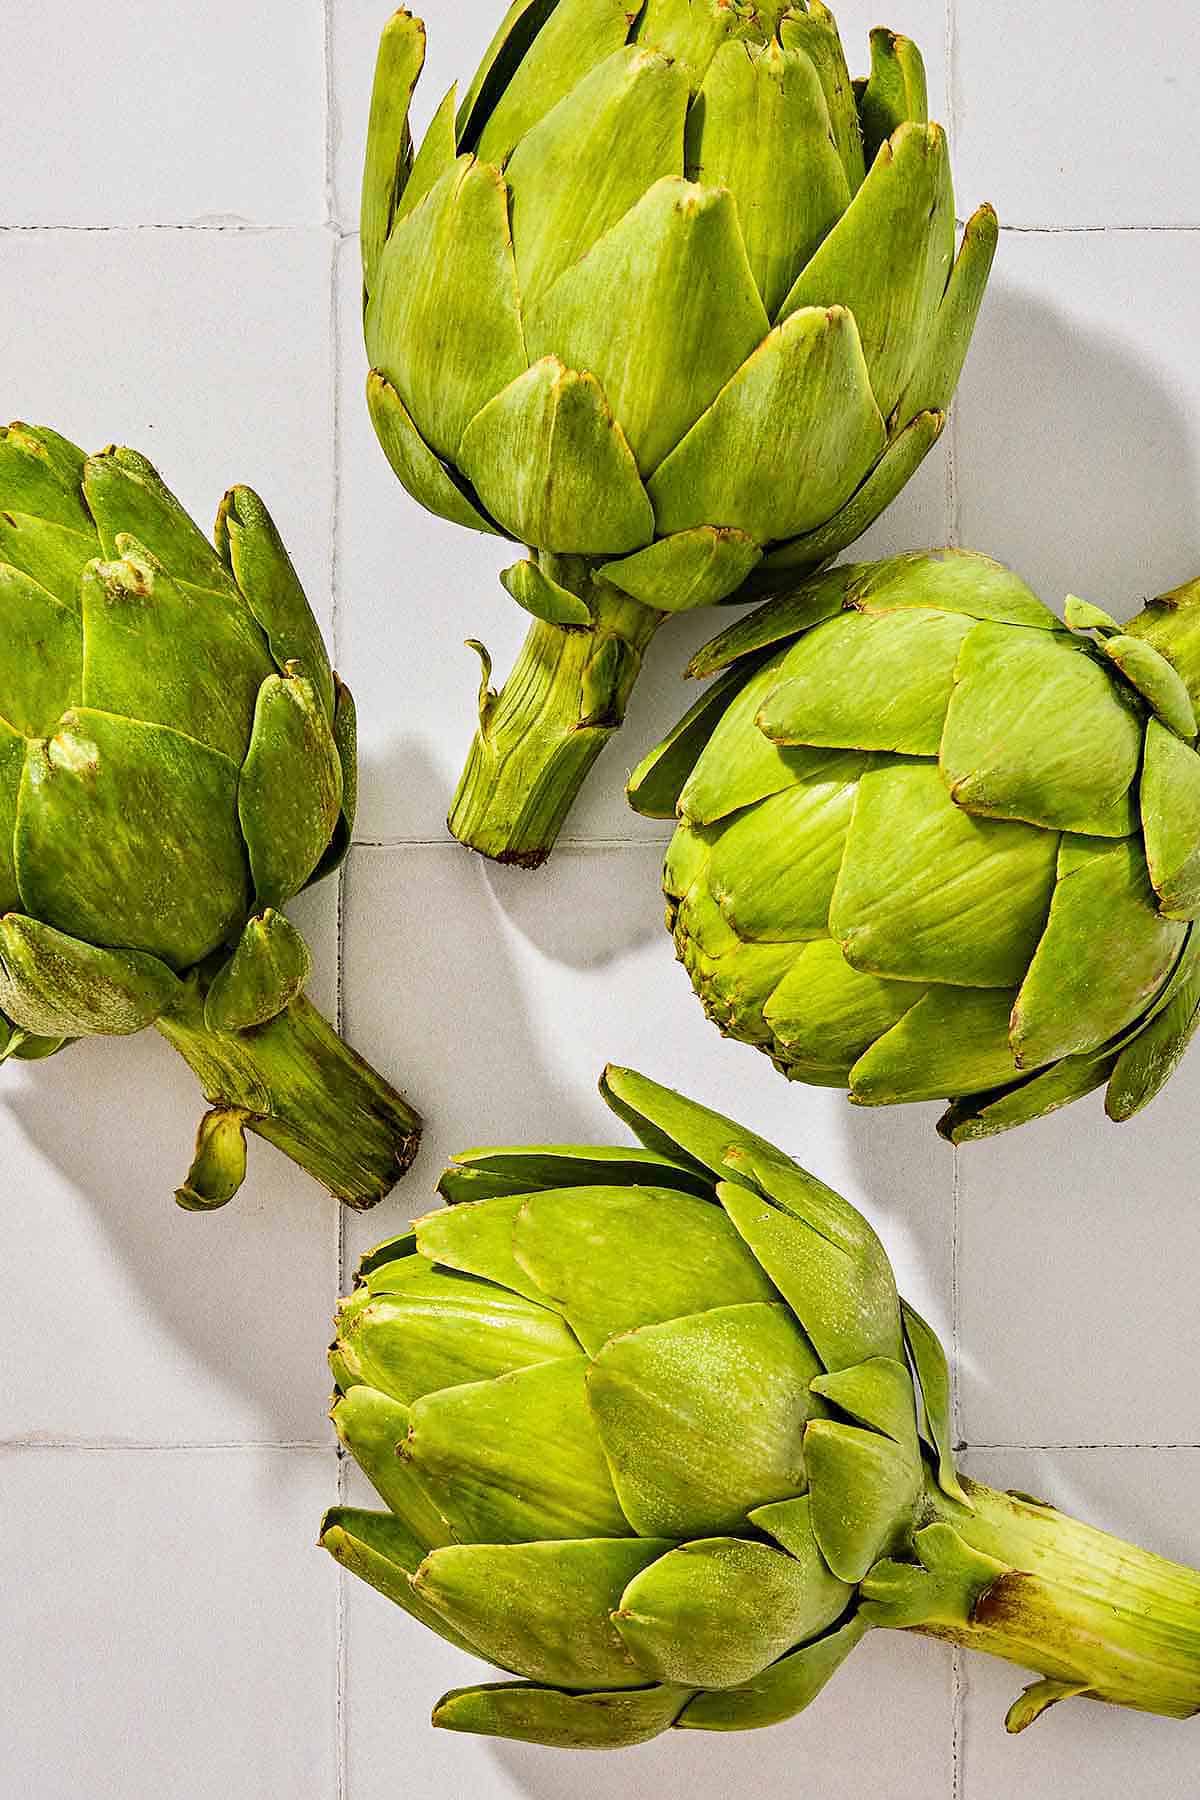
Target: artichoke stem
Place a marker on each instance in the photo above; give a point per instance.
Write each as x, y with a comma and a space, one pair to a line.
539, 736
1097, 1617
294, 1082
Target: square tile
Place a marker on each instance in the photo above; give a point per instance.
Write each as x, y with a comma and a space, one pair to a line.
169, 1625
1079, 1242
134, 115
1044, 113
208, 351
509, 992
138, 1322
1078, 419
1080, 1750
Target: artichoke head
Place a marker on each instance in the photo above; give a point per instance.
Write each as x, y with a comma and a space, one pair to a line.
933, 843
663, 289
176, 757
644, 1421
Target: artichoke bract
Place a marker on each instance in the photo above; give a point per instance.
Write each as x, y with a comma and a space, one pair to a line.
935, 844
177, 760
671, 301
657, 1436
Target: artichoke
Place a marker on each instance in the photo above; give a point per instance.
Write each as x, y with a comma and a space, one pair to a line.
933, 844
177, 760
657, 1437
669, 300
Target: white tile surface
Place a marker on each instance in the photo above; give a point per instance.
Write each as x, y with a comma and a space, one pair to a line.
155, 1365
1082, 116
168, 1627
141, 115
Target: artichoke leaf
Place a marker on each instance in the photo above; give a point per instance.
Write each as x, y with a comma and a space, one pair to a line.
157, 651
218, 1166
389, 143
666, 1121
576, 36
950, 580
484, 1173
514, 35
41, 650
543, 598
1017, 762
690, 31
773, 869
879, 1393
443, 323
973, 1118
419, 471
950, 1041
553, 466
844, 1297
269, 967
903, 457
815, 32
787, 440
864, 1492
52, 555
690, 569
106, 806
895, 92
248, 541
825, 1011
12, 764
761, 130
933, 1375
419, 1330
634, 98
517, 1459
543, 1610
290, 791
564, 1721
739, 765
1145, 1065
373, 1427
1103, 898
345, 742
382, 1550
1161, 685
941, 356
655, 787
716, 1612
888, 259
674, 271
438, 151
576, 1244
916, 864
128, 496
41, 475
688, 1456
780, 1691
52, 985
476, 1238
792, 610
829, 688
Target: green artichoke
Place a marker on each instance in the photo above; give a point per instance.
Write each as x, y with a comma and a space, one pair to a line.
177, 760
933, 844
669, 300
657, 1437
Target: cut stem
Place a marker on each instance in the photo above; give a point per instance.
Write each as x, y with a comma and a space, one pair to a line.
294, 1082
539, 736
1097, 1617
